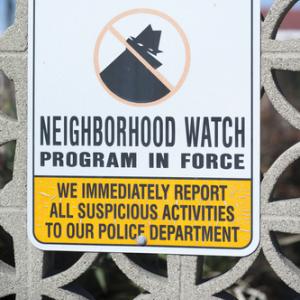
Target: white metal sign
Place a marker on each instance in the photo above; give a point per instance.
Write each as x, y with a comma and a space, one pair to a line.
144, 126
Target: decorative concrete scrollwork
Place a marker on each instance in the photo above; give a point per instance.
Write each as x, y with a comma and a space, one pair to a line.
184, 280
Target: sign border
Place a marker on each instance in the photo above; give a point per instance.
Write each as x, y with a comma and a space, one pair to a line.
186, 250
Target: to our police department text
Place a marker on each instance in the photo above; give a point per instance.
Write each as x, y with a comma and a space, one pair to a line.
144, 132
189, 212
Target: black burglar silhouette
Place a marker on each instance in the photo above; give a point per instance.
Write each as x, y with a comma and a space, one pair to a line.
128, 78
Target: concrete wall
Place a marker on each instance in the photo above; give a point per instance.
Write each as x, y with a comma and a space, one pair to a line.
26, 279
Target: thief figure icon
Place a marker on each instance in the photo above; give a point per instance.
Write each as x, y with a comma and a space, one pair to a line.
131, 77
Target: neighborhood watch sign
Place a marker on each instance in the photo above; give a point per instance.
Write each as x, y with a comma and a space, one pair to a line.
144, 126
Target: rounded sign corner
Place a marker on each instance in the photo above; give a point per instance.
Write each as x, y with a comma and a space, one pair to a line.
35, 242
251, 248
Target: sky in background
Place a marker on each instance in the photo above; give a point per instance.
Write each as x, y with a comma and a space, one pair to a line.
6, 13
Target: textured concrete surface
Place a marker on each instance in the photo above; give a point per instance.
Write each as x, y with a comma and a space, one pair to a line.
26, 279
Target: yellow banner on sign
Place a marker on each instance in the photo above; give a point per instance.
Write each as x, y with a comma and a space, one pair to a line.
150, 212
